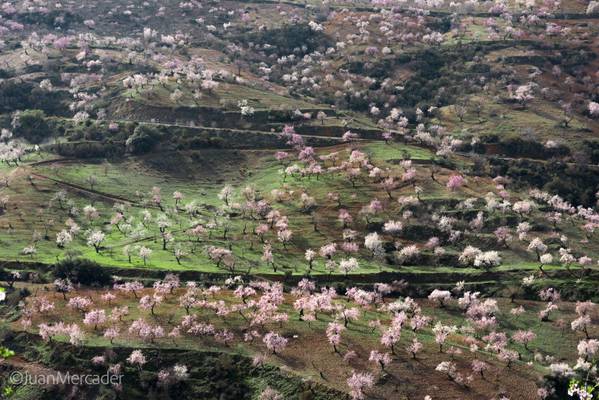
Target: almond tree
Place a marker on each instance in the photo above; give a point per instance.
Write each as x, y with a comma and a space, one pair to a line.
95, 317
149, 302
63, 286
333, 333
275, 342
136, 358
95, 239
145, 253
358, 382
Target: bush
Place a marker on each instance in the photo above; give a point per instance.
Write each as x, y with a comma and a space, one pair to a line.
26, 95
50, 19
576, 184
32, 126
143, 140
83, 271
442, 25
519, 147
592, 148
288, 39
88, 149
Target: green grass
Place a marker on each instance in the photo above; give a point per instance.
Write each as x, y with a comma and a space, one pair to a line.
396, 151
226, 95
541, 117
134, 178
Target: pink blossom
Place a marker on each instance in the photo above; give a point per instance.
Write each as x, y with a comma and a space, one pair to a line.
455, 182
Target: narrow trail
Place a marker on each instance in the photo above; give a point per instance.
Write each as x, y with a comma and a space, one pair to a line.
366, 7
52, 161
91, 192
212, 129
532, 160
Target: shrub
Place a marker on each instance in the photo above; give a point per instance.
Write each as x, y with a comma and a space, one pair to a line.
26, 95
143, 140
83, 271
51, 19
288, 38
32, 126
592, 148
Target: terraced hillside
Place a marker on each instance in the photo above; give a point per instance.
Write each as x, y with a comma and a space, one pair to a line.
300, 199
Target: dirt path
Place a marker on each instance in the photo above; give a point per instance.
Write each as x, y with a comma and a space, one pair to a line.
91, 192
212, 129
